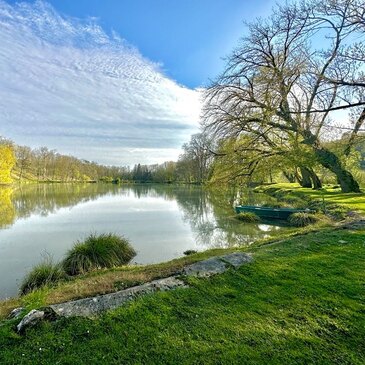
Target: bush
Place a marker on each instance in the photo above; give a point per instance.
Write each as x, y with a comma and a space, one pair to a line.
98, 252
45, 273
302, 219
248, 217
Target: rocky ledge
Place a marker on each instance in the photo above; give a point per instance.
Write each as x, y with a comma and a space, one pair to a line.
90, 307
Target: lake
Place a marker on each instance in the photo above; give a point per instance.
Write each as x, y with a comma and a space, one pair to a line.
161, 222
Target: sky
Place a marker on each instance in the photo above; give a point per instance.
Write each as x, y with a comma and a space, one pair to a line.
118, 82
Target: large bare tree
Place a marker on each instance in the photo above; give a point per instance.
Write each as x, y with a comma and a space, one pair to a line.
285, 81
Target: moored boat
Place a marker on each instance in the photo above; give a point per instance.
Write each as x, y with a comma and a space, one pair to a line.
267, 212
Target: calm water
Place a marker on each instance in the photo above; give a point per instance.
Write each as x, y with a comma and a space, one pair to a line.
160, 221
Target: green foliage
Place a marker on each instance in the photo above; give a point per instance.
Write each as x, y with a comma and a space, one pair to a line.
248, 217
7, 162
45, 273
97, 252
107, 179
302, 219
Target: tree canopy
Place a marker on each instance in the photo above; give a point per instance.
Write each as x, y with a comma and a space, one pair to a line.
7, 161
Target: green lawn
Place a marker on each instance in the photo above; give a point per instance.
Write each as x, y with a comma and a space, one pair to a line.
330, 195
302, 301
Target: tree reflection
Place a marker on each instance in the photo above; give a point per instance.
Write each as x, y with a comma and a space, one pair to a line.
7, 210
42, 199
209, 213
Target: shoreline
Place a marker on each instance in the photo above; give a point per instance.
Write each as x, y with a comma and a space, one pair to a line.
110, 280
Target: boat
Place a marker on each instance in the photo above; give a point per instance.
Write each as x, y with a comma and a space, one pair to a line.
269, 213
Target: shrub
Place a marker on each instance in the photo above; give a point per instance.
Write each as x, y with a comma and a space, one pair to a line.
97, 252
248, 217
45, 273
302, 219
189, 252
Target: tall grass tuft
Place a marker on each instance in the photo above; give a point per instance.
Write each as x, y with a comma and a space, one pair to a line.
248, 217
44, 273
190, 252
98, 252
303, 219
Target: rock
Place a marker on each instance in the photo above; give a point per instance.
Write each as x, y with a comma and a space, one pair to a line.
16, 313
237, 259
32, 318
205, 268
217, 265
90, 307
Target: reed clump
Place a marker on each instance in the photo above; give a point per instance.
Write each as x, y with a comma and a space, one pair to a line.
303, 219
98, 252
248, 217
45, 273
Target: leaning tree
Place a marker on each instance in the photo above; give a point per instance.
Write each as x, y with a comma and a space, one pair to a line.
287, 79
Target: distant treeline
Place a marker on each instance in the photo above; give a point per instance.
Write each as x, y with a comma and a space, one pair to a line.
22, 163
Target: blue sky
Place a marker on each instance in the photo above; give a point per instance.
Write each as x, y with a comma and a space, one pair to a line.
118, 82
188, 37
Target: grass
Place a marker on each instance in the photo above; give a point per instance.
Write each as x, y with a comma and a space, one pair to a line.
329, 196
45, 273
98, 252
301, 301
247, 217
303, 219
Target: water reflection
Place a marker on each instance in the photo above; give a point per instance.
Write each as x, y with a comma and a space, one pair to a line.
42, 199
162, 221
209, 213
7, 209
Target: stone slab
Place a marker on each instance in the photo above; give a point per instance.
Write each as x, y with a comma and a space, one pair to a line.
205, 268
90, 307
31, 319
217, 265
237, 259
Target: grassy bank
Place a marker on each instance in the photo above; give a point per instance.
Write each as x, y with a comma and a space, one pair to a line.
102, 282
329, 195
301, 301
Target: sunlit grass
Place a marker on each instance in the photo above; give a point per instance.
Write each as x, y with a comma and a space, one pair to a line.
328, 195
300, 302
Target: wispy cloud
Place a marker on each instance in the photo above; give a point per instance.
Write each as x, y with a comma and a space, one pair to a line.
67, 84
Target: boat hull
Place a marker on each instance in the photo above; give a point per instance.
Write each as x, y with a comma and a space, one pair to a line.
269, 213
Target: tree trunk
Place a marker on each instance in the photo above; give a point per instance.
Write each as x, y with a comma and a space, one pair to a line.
317, 184
305, 181
289, 176
330, 161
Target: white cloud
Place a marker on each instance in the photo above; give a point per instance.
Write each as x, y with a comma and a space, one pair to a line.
66, 84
